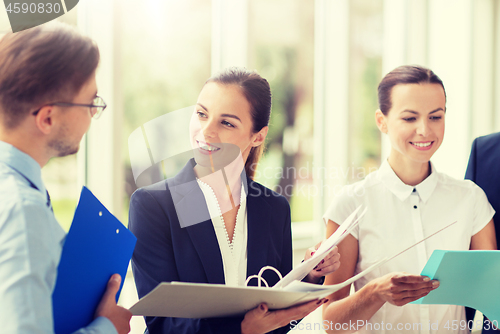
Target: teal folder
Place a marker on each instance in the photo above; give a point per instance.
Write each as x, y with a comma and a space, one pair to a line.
467, 278
96, 247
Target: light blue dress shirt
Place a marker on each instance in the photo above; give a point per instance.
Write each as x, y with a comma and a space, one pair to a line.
30, 249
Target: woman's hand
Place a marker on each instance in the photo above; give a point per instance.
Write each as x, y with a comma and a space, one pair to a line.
261, 320
400, 288
327, 266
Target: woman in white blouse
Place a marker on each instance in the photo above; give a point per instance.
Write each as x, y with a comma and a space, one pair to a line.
407, 200
212, 223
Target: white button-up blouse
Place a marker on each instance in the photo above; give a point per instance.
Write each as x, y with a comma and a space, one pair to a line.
399, 215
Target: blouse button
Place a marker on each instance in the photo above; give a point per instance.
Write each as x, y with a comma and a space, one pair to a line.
414, 206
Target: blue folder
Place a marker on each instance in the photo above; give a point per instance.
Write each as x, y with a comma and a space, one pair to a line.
467, 278
96, 247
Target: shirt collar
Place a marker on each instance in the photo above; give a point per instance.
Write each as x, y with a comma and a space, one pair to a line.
23, 164
402, 191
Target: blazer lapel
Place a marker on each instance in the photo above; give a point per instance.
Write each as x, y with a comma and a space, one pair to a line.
193, 216
258, 222
205, 242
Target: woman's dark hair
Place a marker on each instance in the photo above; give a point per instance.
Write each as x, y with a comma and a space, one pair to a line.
48, 63
408, 74
258, 93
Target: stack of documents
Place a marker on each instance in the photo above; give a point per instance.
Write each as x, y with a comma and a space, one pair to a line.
305, 267
195, 300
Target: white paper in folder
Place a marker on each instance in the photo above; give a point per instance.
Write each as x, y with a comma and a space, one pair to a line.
195, 300
301, 271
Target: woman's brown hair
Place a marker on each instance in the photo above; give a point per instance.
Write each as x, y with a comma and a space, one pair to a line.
408, 74
258, 93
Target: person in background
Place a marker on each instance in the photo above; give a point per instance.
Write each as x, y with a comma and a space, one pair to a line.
484, 170
48, 96
212, 223
407, 200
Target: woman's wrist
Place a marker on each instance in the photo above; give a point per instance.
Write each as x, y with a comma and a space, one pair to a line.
248, 323
314, 279
371, 293
245, 328
242, 327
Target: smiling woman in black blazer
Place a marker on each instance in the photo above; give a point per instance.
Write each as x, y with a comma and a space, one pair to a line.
212, 223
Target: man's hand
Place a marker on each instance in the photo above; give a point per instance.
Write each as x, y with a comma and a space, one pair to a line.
119, 316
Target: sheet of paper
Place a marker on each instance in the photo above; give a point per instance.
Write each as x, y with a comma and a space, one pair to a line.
301, 271
96, 247
467, 278
299, 286
302, 286
192, 300
347, 226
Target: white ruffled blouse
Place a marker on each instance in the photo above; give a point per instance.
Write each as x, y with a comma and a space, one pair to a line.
233, 252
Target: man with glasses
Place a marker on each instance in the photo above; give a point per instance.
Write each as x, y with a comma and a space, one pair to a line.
48, 96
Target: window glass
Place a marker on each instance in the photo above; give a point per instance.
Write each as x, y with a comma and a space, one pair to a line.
166, 54
281, 49
365, 70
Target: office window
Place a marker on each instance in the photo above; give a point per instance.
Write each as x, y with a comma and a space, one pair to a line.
280, 44
365, 67
165, 51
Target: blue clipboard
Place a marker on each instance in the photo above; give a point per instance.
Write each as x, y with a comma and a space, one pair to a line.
96, 247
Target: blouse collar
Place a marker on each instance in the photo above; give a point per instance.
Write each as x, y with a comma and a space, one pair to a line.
401, 190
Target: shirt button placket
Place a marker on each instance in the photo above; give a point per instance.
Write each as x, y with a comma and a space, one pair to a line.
418, 230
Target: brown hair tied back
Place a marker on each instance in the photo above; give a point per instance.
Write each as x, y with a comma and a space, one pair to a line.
408, 74
257, 91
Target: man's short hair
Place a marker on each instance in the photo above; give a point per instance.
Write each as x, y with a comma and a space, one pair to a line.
45, 64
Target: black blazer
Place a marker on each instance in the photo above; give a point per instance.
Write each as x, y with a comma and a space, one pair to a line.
484, 170
166, 251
